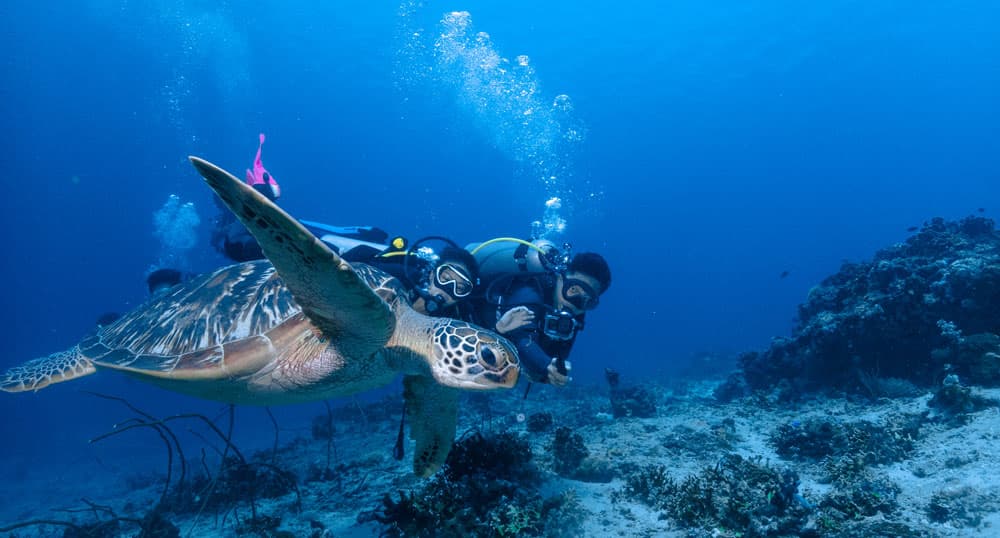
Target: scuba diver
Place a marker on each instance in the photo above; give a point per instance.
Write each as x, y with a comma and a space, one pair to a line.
537, 296
439, 281
442, 284
230, 237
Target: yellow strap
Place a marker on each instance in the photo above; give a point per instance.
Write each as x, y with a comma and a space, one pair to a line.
393, 253
512, 240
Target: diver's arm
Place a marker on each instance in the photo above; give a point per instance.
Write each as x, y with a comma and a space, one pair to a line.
534, 360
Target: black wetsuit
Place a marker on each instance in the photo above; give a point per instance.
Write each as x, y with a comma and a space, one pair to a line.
235, 242
535, 348
231, 238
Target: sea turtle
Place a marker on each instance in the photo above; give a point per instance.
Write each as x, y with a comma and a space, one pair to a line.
303, 325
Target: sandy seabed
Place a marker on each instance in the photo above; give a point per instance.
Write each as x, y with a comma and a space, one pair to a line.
948, 461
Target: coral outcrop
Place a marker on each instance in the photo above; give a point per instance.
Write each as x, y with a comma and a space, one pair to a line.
918, 311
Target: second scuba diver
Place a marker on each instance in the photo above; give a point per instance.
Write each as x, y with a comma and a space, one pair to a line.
538, 296
230, 237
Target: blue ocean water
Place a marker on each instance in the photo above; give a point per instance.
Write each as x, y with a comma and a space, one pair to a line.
703, 148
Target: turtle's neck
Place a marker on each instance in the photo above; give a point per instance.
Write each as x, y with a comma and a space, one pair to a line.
412, 343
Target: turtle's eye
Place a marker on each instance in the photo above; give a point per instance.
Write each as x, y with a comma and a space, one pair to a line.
488, 356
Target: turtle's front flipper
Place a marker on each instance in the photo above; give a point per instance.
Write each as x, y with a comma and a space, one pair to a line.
39, 373
330, 293
433, 413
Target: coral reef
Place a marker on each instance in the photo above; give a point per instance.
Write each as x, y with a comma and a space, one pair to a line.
540, 422
747, 497
960, 506
685, 438
977, 354
629, 401
568, 451
862, 498
486, 488
862, 442
236, 481
98, 529
737, 493
882, 319
154, 525
635, 402
954, 404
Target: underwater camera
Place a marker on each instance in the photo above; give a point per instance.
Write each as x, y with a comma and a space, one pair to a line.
560, 325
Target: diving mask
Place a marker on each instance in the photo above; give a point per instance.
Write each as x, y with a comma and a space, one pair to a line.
580, 294
447, 274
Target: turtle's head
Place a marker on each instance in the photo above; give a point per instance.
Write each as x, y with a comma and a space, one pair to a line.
470, 358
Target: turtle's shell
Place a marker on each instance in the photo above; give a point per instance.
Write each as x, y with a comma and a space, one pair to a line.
193, 320
225, 324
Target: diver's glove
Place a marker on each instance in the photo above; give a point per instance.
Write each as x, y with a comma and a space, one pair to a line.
516, 318
559, 378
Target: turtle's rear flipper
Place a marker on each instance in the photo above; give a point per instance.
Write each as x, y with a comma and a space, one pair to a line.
39, 373
432, 410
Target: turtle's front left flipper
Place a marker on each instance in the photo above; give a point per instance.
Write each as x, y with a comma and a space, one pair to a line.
432, 410
330, 293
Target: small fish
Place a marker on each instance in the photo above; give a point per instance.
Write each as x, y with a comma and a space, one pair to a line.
912, 229
982, 210
783, 274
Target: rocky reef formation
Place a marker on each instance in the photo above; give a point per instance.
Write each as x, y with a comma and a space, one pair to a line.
488, 487
919, 311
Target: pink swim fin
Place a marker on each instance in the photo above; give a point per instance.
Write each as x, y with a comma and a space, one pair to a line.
259, 175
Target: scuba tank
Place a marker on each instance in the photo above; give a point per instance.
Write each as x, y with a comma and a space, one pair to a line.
506, 256
506, 259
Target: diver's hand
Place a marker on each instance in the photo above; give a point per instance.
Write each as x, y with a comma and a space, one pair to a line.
514, 319
557, 378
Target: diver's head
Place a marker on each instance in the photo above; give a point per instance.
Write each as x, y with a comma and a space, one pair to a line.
272, 184
454, 276
579, 289
161, 280
271, 191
